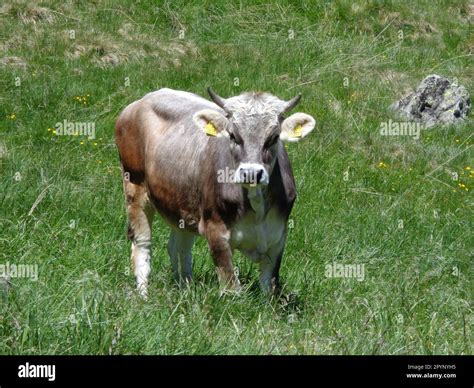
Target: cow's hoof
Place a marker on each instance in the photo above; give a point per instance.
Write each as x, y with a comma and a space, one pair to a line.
185, 283
143, 291
231, 292
234, 289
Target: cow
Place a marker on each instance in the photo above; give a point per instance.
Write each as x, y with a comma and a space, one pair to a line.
216, 169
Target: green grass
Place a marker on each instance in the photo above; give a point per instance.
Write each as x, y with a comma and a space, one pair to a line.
417, 292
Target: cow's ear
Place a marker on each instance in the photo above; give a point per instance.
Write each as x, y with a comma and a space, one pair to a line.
297, 126
212, 123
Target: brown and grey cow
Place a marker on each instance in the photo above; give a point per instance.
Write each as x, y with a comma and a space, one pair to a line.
215, 169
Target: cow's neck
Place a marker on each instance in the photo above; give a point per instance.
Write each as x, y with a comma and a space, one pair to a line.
258, 197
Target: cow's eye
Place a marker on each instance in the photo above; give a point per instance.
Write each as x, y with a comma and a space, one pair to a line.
235, 139
271, 141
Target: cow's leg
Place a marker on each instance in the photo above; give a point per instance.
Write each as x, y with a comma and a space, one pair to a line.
218, 239
180, 246
270, 268
140, 216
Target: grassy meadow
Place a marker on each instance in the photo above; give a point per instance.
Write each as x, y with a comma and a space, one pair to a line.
399, 206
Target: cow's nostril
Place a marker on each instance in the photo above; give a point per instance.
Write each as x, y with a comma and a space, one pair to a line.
252, 175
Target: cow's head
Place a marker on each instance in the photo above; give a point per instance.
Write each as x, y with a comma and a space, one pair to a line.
254, 124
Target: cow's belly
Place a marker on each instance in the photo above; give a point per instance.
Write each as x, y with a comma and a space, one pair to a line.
180, 213
253, 239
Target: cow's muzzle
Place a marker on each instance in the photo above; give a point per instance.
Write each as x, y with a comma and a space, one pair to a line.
251, 174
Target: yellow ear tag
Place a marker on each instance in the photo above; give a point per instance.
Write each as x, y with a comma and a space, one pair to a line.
210, 129
297, 131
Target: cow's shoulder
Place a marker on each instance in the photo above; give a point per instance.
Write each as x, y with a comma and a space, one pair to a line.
222, 200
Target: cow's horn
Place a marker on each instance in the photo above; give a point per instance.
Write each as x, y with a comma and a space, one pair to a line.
292, 103
217, 99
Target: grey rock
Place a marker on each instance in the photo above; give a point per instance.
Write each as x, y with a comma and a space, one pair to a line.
435, 101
